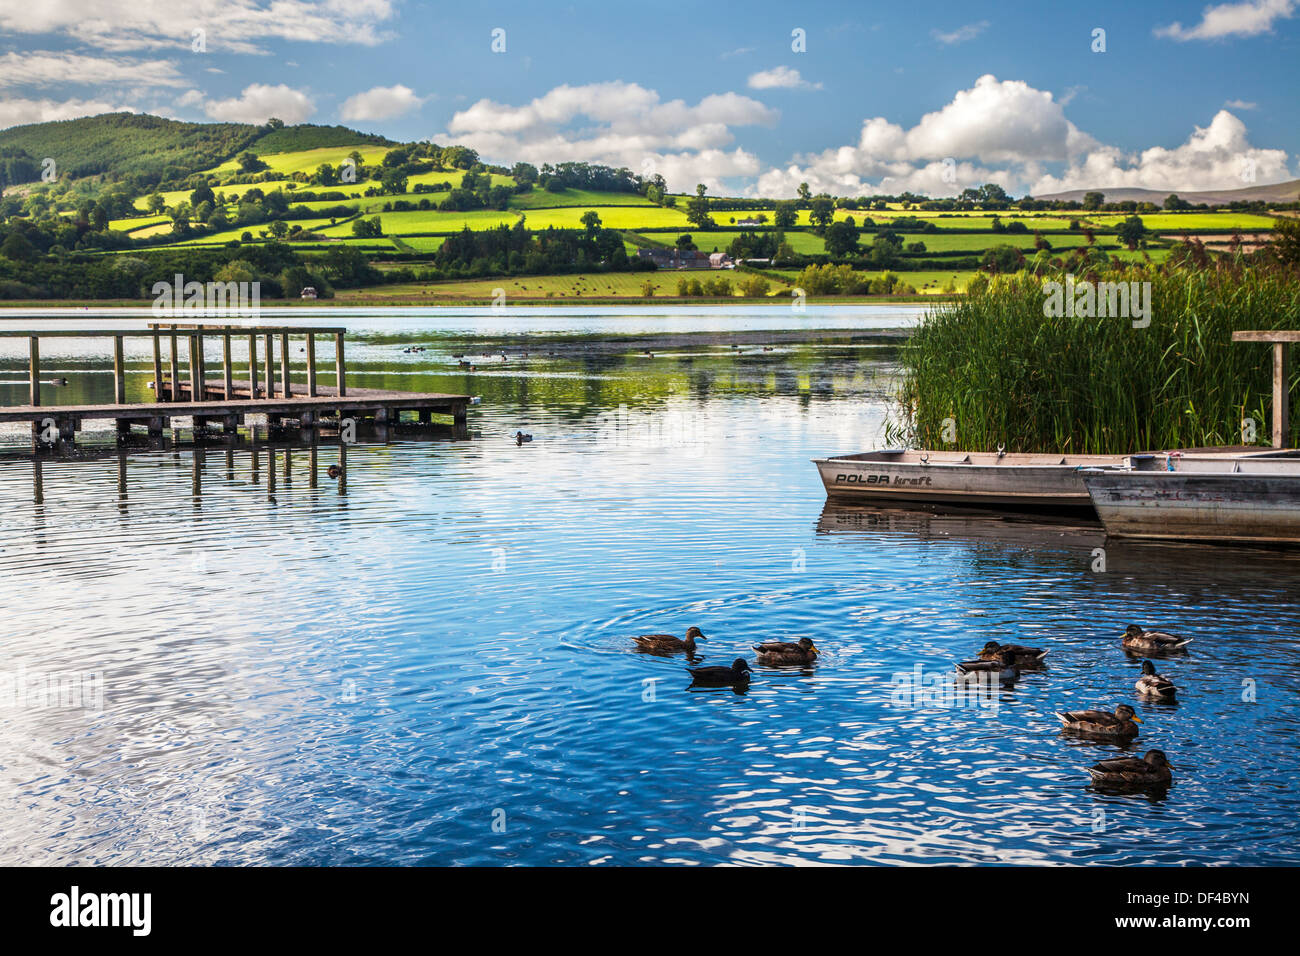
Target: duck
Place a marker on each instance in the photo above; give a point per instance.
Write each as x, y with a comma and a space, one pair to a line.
1153, 769
667, 644
1152, 642
520, 438
1024, 655
1151, 684
1004, 666
1121, 725
334, 471
734, 676
775, 653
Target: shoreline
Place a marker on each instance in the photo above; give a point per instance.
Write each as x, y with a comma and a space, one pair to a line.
474, 302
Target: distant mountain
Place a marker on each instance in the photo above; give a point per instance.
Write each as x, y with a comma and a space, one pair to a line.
1276, 192
141, 144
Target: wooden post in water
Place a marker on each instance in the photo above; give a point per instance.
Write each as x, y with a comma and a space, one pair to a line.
284, 365
252, 366
225, 367
174, 384
34, 369
119, 372
340, 368
311, 364
270, 365
196, 392
157, 366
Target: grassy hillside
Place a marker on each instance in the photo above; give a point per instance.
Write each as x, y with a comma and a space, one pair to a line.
140, 144
129, 143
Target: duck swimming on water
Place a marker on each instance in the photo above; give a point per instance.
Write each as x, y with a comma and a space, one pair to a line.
1023, 655
775, 653
1121, 725
1153, 770
734, 676
1151, 684
667, 644
520, 438
1142, 641
1004, 665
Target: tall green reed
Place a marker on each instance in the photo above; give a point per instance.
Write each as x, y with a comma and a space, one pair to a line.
1007, 374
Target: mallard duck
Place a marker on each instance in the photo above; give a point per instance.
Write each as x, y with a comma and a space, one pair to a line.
736, 674
333, 471
1120, 725
775, 653
1004, 666
1152, 642
1152, 770
1024, 655
667, 644
520, 438
1151, 684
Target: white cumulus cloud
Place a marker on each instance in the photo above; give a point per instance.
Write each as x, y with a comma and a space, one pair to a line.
380, 102
618, 124
231, 25
1232, 19
780, 77
1009, 133
44, 69
259, 102
20, 112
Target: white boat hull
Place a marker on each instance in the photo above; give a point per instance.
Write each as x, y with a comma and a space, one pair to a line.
976, 479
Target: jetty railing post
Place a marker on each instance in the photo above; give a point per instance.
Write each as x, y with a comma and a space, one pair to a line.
311, 364
195, 393
252, 366
1281, 377
34, 369
157, 366
119, 372
174, 384
270, 365
284, 365
227, 382
340, 368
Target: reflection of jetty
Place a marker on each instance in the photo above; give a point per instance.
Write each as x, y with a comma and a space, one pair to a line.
230, 398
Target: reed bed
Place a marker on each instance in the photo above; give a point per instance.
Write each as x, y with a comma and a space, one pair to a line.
1008, 375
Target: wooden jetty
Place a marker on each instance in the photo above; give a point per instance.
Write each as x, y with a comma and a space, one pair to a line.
229, 399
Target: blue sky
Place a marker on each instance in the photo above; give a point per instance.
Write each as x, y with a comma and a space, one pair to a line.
931, 97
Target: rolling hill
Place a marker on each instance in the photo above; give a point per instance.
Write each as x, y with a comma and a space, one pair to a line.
1275, 192
141, 144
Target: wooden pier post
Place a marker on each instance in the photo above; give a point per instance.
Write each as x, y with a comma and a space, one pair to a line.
284, 365
119, 372
228, 381
34, 369
270, 365
340, 367
157, 366
196, 391
252, 366
174, 384
311, 364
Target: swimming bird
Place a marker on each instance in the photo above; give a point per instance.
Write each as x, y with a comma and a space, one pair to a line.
775, 653
1120, 725
735, 675
1004, 666
1152, 642
1151, 684
1152, 770
333, 471
1023, 655
520, 438
667, 644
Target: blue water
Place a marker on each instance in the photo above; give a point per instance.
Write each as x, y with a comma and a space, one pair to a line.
433, 663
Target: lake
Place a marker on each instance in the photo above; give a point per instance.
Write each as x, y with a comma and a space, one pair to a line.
431, 661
